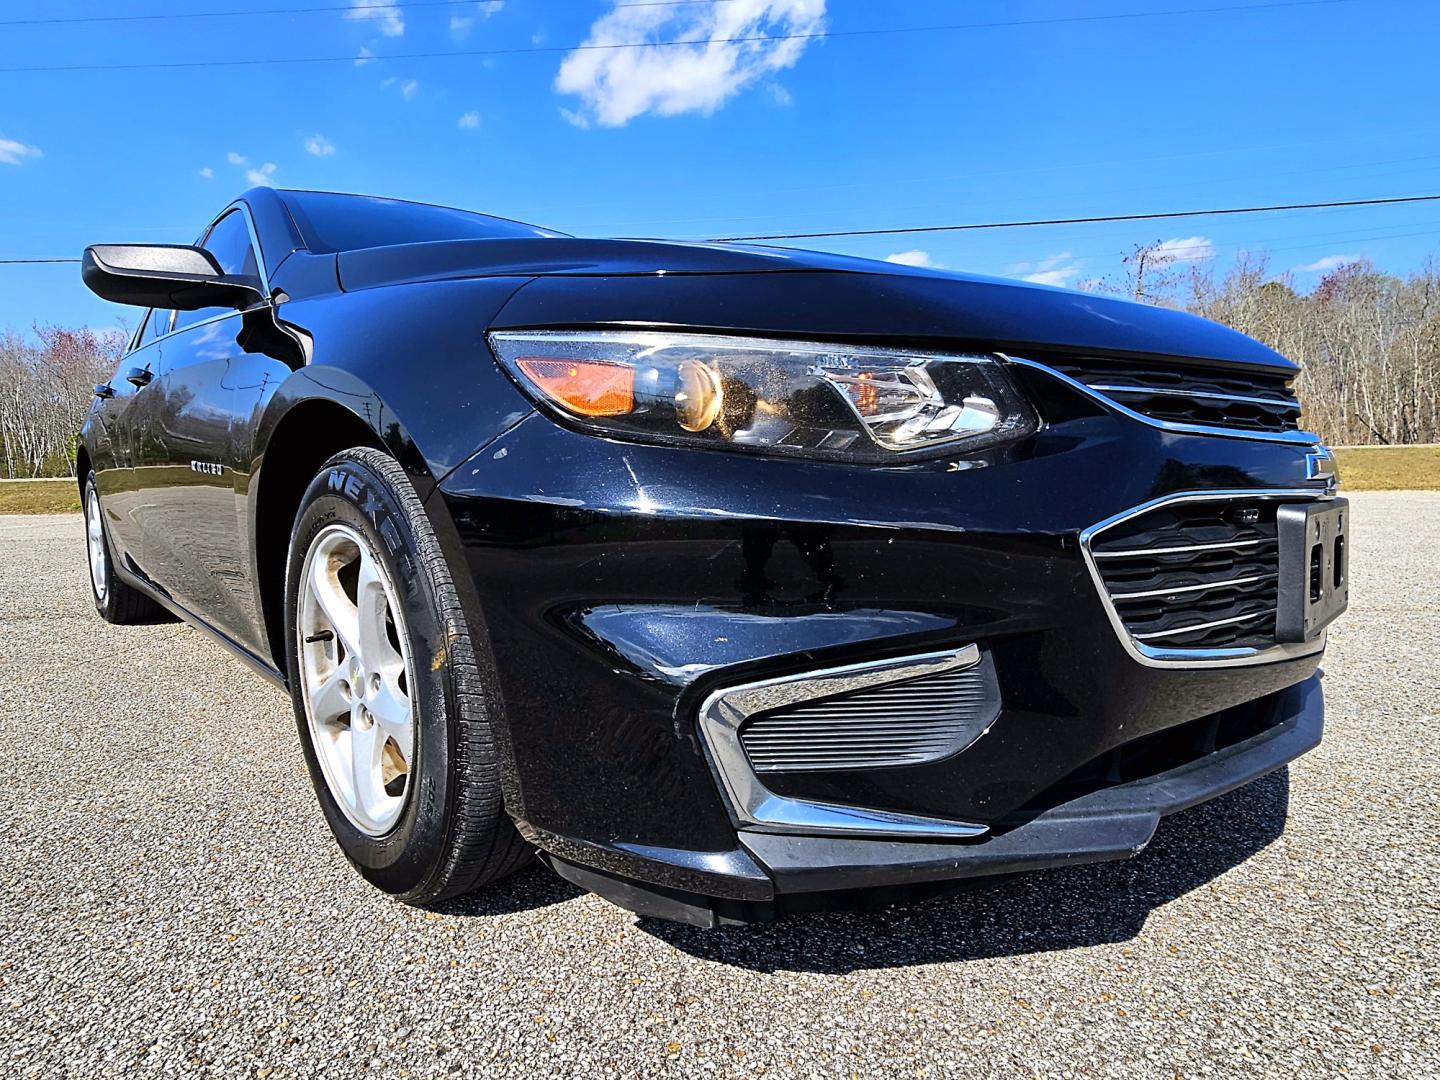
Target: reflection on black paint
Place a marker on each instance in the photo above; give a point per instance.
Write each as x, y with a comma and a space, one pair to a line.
811, 542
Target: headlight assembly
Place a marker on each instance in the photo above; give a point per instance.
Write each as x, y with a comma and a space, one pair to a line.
841, 402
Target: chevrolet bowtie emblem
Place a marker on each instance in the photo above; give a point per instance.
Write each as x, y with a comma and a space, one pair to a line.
1320, 464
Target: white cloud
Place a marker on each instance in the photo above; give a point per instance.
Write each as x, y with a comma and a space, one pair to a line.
1061, 277
1052, 270
617, 85
208, 173
537, 38
461, 25
235, 159
1329, 262
261, 177
579, 119
1184, 249
408, 89
12, 152
364, 58
468, 120
915, 257
779, 95
390, 18
319, 145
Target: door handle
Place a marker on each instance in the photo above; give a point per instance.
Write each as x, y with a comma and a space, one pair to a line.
139, 376
104, 390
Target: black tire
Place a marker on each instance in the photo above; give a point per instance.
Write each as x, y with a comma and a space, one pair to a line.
116, 601
453, 834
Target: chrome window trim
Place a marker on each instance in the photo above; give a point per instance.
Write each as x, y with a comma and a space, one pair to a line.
1293, 438
1116, 388
754, 807
1180, 657
244, 208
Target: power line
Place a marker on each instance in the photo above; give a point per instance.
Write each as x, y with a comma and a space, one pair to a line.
1011, 224
322, 9
1081, 220
740, 40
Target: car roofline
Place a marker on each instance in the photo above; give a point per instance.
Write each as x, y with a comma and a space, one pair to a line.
418, 202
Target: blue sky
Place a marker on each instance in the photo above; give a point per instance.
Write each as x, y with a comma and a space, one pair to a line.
1058, 118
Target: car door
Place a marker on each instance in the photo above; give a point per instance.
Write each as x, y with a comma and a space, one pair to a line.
193, 443
112, 438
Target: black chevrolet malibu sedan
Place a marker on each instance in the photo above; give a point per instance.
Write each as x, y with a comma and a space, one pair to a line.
729, 579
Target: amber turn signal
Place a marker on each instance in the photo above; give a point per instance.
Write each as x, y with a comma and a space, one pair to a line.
583, 387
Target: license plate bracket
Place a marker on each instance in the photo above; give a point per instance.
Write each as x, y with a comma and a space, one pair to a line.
1314, 585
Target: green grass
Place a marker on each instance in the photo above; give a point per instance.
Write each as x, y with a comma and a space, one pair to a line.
1389, 468
39, 497
1362, 468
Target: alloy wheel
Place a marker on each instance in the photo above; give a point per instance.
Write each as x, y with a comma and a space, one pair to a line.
356, 678
95, 544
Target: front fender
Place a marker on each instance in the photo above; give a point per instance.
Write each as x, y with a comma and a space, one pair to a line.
412, 362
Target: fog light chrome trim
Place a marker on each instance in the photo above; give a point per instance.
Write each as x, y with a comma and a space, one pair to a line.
756, 807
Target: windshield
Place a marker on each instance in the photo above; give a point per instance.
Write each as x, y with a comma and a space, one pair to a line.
332, 222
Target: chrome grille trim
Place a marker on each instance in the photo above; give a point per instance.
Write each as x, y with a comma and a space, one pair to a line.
1179, 656
754, 806
1205, 587
1137, 388
1136, 553
1204, 626
1294, 438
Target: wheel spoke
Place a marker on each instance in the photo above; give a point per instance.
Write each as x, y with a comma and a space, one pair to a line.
371, 608
367, 744
391, 710
330, 697
336, 606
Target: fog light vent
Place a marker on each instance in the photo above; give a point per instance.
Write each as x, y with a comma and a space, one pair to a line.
898, 723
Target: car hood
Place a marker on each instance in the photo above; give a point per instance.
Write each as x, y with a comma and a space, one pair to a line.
828, 294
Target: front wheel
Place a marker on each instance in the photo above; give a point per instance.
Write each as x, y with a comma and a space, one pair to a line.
397, 726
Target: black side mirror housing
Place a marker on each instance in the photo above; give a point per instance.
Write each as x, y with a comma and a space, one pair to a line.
165, 276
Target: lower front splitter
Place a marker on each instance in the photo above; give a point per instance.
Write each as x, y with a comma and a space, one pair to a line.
1112, 823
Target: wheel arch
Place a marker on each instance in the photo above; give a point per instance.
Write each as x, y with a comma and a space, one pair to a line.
82, 466
296, 437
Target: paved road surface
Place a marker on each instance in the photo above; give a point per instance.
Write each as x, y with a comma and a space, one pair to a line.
171, 903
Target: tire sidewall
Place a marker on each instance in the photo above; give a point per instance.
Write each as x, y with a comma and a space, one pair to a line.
347, 491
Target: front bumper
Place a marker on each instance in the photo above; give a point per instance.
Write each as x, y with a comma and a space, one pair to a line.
1114, 821
622, 585
1111, 822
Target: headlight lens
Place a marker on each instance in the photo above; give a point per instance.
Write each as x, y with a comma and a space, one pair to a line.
840, 402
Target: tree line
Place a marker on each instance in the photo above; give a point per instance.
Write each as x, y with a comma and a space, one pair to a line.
46, 386
1367, 342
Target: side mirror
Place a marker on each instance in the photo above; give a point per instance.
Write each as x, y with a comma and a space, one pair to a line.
165, 276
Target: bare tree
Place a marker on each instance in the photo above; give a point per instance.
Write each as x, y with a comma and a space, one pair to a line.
44, 394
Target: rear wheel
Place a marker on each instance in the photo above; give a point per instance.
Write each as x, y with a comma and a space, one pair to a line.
116, 601
397, 726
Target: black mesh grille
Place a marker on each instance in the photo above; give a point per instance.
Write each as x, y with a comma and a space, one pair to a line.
1187, 394
1194, 575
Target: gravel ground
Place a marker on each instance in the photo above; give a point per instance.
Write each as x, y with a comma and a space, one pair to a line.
172, 903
